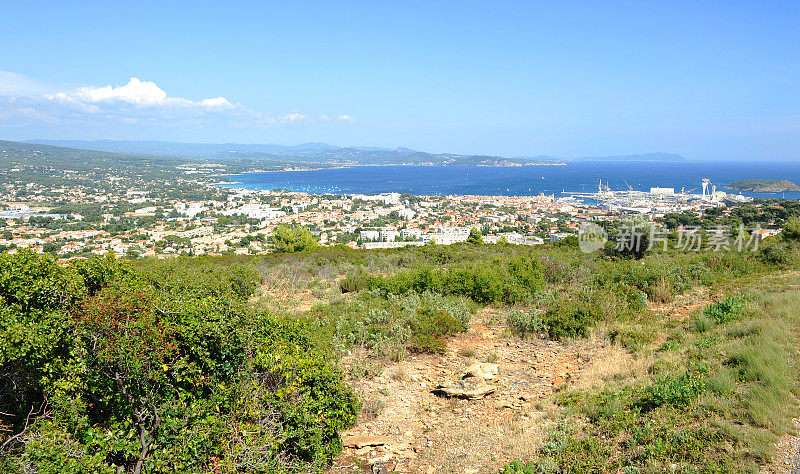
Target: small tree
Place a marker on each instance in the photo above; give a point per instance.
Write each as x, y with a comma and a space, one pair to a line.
292, 239
130, 349
475, 236
632, 238
791, 230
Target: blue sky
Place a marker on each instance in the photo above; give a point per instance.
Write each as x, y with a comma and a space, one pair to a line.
709, 80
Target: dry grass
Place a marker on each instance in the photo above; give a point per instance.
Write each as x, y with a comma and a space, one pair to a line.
466, 352
662, 291
475, 446
400, 374
610, 363
370, 409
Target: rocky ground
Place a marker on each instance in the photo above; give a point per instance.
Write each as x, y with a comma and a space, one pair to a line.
409, 428
787, 454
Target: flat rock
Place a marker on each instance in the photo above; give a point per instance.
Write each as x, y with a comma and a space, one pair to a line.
362, 441
471, 388
483, 370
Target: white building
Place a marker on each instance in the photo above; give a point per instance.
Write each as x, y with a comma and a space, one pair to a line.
370, 235
190, 209
387, 198
256, 211
406, 234
514, 238
389, 235
559, 236
389, 245
406, 213
662, 191
449, 235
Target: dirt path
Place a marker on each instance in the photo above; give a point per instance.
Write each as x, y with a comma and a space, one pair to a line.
417, 431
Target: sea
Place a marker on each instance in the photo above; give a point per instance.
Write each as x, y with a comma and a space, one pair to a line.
522, 180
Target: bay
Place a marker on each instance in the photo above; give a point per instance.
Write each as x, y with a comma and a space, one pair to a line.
521, 181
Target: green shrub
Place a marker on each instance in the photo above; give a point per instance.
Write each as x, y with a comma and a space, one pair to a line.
630, 337
518, 467
428, 343
791, 230
568, 319
430, 328
354, 281
568, 242
161, 368
726, 310
566, 452
389, 326
671, 390
475, 236
775, 253
723, 382
703, 323
524, 323
503, 281
292, 239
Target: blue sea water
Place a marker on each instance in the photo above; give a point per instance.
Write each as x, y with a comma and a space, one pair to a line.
520, 181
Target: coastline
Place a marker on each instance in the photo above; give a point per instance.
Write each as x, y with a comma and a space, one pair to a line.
359, 165
531, 180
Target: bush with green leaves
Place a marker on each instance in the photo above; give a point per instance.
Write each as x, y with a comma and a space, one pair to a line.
525, 323
499, 281
159, 370
354, 281
292, 239
791, 230
475, 237
389, 326
727, 309
569, 319
777, 253
674, 390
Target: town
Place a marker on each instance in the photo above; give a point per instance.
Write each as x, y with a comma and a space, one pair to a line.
139, 219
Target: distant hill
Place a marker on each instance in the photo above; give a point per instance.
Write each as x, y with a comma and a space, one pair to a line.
323, 154
763, 185
192, 150
314, 152
17, 154
642, 157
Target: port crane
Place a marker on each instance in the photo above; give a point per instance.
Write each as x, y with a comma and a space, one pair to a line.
628, 185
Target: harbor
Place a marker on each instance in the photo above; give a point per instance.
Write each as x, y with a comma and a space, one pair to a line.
659, 200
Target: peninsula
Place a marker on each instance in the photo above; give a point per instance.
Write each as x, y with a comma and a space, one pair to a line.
763, 185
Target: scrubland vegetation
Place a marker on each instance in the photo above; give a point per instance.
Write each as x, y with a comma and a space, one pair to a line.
198, 364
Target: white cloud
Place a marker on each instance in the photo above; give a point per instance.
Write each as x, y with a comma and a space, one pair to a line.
216, 102
135, 92
293, 117
24, 102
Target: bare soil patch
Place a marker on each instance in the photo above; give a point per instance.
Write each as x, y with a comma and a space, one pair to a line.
423, 432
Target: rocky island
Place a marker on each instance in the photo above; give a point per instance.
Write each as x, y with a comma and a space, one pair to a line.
763, 185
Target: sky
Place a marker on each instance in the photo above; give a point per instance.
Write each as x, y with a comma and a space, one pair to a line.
708, 80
